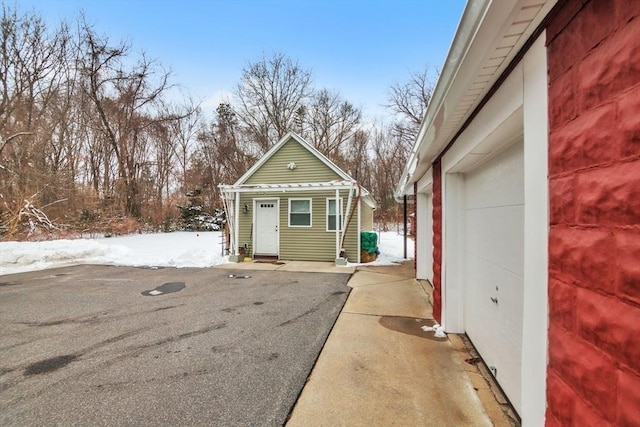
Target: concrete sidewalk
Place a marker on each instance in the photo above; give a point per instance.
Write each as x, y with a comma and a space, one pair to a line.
379, 368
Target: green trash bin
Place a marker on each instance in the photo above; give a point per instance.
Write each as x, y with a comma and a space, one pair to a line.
369, 241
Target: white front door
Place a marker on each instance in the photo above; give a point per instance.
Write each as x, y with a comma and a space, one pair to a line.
266, 227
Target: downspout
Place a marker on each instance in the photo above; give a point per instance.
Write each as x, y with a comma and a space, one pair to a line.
359, 249
415, 226
344, 226
231, 226
337, 228
404, 219
351, 209
237, 224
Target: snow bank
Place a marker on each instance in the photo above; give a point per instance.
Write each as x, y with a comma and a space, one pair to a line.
391, 247
180, 249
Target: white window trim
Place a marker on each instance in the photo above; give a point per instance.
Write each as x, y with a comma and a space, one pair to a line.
340, 214
310, 213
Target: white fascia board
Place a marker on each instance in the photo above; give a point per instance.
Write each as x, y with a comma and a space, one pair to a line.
369, 201
471, 19
280, 188
482, 25
227, 192
312, 186
425, 182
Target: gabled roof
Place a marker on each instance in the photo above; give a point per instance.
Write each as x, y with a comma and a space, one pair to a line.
346, 182
291, 135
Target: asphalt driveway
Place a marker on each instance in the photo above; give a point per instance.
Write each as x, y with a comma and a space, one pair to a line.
99, 345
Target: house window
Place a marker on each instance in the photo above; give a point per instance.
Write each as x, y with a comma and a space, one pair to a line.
334, 215
299, 212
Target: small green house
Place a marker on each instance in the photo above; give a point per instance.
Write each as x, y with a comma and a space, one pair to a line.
295, 204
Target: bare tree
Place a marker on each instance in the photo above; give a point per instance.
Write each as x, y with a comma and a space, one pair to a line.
332, 121
388, 151
409, 100
163, 145
185, 130
127, 100
234, 153
31, 69
33, 61
86, 130
357, 159
222, 150
269, 96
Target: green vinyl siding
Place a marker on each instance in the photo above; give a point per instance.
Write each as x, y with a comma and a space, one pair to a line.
352, 238
308, 167
366, 217
245, 220
315, 243
302, 243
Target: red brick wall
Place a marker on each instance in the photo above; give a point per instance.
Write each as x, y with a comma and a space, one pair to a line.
594, 237
437, 241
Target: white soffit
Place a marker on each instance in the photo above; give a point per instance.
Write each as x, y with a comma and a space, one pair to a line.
477, 78
502, 31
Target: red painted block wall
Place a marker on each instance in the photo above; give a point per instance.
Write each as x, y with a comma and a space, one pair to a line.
437, 241
594, 237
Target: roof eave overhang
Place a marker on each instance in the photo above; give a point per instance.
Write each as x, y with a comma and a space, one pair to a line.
490, 34
312, 186
283, 188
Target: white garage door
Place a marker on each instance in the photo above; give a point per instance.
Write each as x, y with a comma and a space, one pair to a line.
424, 220
494, 263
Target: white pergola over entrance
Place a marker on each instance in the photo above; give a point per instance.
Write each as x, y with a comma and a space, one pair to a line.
232, 202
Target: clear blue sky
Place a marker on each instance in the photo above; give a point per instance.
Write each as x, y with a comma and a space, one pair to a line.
356, 47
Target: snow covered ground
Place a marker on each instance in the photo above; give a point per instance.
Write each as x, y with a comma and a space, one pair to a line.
180, 249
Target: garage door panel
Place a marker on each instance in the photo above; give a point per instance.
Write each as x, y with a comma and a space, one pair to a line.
488, 229
498, 174
510, 301
481, 312
493, 221
507, 367
508, 371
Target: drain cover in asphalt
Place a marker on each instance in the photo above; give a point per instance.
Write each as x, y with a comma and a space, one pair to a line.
167, 288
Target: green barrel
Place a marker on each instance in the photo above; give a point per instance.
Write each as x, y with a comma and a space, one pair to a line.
369, 241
